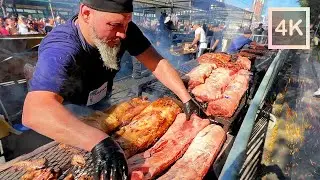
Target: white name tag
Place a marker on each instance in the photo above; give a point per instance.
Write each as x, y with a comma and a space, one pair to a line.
97, 94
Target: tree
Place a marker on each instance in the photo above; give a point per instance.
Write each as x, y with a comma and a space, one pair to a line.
314, 8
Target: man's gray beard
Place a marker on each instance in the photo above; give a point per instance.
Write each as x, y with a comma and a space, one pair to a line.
108, 54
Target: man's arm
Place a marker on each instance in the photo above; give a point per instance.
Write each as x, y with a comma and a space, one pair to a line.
195, 40
44, 113
164, 72
215, 44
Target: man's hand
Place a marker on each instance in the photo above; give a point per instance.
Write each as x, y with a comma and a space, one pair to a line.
192, 107
109, 160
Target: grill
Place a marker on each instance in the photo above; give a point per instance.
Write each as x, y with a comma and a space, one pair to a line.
156, 88
58, 159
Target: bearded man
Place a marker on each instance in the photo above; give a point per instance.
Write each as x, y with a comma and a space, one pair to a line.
77, 63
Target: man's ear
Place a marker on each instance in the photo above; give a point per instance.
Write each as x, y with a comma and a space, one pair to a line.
85, 13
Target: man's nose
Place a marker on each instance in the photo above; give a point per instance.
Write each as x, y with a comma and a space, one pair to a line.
121, 35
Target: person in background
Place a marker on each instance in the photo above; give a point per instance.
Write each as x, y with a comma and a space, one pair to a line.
174, 19
3, 30
3, 7
239, 42
30, 18
11, 26
58, 20
63, 21
258, 31
49, 25
41, 25
216, 42
23, 27
222, 27
32, 27
317, 93
200, 38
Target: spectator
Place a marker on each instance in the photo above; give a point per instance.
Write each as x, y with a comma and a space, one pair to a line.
58, 20
216, 42
22, 25
3, 7
30, 17
3, 30
11, 26
317, 93
63, 21
49, 25
258, 31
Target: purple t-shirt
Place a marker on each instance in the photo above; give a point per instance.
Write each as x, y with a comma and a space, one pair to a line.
238, 44
69, 66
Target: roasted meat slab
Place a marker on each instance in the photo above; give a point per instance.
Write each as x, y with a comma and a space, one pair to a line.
197, 160
216, 58
147, 127
198, 75
227, 105
254, 51
116, 116
78, 160
41, 174
244, 62
248, 55
214, 85
170, 147
31, 164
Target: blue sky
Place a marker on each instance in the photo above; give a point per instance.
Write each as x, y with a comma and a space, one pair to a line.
268, 3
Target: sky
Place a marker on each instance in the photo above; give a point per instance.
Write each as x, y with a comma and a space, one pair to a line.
247, 4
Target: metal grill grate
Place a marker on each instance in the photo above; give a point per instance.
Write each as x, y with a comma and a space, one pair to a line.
57, 157
188, 66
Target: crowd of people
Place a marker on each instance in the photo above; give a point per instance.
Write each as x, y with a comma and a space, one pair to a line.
21, 25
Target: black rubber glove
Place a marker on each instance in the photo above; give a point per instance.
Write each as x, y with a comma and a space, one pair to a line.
109, 161
192, 107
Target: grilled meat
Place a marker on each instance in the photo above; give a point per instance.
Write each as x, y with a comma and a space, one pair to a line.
116, 116
198, 75
78, 160
170, 147
147, 127
30, 164
41, 174
216, 58
214, 85
227, 105
69, 177
197, 160
86, 177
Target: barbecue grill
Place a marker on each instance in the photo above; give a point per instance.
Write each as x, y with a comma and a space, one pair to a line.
60, 158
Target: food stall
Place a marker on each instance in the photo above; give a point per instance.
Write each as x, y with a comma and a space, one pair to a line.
59, 158
61, 161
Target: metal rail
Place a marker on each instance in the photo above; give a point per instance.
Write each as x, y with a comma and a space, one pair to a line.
237, 154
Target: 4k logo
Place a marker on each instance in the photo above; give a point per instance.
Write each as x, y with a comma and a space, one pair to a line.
289, 28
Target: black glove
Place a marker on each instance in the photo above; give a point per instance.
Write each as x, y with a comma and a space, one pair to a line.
109, 160
192, 107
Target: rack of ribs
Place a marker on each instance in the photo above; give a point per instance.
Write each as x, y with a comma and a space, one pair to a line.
170, 147
198, 75
197, 160
227, 105
147, 127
